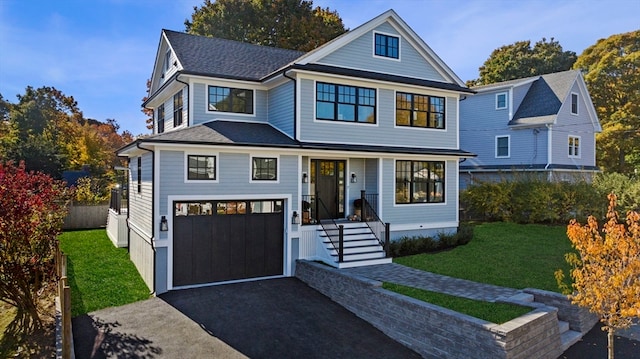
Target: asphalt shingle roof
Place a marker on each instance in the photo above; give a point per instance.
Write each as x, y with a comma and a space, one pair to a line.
544, 98
234, 133
243, 61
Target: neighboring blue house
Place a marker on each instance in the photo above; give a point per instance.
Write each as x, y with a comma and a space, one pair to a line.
542, 125
258, 154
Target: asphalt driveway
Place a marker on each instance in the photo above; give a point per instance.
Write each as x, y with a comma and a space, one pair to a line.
278, 318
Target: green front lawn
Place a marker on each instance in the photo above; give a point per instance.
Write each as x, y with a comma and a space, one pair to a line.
100, 275
504, 254
492, 312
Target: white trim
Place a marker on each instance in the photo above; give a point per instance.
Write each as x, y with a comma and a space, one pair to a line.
425, 225
268, 156
508, 146
373, 49
574, 147
139, 230
286, 265
506, 100
200, 152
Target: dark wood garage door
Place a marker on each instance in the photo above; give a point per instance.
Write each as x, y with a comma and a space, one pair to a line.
217, 241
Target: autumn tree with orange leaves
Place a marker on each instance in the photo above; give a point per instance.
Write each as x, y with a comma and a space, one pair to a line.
606, 269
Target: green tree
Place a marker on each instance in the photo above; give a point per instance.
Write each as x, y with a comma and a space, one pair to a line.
612, 73
520, 60
289, 24
32, 210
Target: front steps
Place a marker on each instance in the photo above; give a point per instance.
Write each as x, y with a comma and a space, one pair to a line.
361, 247
568, 337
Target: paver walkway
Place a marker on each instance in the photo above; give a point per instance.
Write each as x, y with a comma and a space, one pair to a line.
399, 274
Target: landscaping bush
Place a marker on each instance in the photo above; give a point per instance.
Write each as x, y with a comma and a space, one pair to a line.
626, 188
406, 246
532, 200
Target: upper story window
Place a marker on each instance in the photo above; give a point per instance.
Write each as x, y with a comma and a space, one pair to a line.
502, 146
177, 109
139, 174
167, 61
574, 146
264, 169
419, 111
160, 118
201, 167
419, 182
501, 101
574, 103
387, 46
225, 99
345, 103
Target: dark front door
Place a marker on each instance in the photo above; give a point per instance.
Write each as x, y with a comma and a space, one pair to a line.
227, 240
329, 180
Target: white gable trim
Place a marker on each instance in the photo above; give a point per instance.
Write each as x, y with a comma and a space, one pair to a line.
406, 34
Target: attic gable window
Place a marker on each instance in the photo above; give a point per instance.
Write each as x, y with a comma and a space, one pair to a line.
501, 101
177, 109
574, 103
226, 99
167, 61
387, 46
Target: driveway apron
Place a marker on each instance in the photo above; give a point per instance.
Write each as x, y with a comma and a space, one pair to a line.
277, 318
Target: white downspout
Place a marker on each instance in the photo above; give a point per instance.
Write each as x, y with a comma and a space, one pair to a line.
549, 149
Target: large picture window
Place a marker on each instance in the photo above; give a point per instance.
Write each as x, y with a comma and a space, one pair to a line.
420, 182
345, 103
420, 111
225, 99
201, 167
264, 169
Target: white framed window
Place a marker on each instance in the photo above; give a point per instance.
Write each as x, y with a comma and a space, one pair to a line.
574, 103
265, 169
201, 167
574, 146
503, 146
501, 101
167, 61
386, 45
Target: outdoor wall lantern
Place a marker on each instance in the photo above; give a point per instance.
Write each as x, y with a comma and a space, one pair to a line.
354, 179
164, 225
295, 218
305, 178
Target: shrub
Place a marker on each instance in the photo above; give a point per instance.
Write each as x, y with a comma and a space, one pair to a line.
90, 190
406, 246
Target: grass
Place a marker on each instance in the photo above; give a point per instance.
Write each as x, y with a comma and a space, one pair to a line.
505, 254
492, 312
100, 275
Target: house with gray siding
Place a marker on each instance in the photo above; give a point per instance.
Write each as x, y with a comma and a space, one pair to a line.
536, 126
260, 156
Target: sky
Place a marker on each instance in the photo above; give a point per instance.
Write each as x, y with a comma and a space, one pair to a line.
101, 52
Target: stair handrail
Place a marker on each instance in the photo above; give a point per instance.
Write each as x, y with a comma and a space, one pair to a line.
373, 221
331, 228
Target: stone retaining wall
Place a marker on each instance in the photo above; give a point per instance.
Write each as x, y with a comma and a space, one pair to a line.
433, 331
579, 318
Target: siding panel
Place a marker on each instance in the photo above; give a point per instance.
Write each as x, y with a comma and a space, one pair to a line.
359, 54
281, 108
